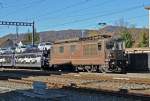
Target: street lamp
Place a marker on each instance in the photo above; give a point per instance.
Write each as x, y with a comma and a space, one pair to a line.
102, 25
148, 8
82, 33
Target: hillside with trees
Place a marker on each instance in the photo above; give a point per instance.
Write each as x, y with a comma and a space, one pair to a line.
133, 37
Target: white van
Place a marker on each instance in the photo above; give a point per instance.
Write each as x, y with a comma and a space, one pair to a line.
21, 49
44, 46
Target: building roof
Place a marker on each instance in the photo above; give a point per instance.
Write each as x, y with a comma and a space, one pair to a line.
137, 50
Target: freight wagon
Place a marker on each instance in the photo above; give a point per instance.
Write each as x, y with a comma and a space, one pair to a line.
36, 60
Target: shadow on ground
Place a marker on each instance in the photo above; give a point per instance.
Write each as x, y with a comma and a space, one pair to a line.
18, 74
66, 95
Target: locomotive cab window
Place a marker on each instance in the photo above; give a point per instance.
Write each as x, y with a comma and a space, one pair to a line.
61, 49
109, 45
99, 46
120, 45
72, 48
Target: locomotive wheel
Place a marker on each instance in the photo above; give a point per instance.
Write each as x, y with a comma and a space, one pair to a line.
76, 69
79, 68
115, 69
94, 68
102, 69
88, 68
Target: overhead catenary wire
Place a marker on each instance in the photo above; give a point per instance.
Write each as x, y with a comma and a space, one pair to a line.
89, 18
1, 5
95, 25
110, 21
25, 6
47, 15
75, 16
100, 15
14, 4
28, 5
60, 10
38, 2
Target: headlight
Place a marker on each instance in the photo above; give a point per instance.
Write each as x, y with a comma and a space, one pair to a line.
113, 63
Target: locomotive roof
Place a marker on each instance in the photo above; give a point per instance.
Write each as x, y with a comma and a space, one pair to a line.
102, 36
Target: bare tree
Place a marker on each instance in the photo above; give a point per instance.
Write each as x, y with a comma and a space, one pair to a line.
122, 23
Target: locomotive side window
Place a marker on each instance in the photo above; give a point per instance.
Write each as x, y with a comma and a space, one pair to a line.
99, 46
90, 50
86, 50
61, 49
72, 48
93, 49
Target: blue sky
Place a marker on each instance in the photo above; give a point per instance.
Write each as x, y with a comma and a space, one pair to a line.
72, 14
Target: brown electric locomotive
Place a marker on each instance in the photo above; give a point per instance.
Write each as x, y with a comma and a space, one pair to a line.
100, 53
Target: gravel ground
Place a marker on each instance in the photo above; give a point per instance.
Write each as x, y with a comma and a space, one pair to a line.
83, 80
13, 86
89, 80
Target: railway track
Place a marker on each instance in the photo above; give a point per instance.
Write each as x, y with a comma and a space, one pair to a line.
139, 85
110, 88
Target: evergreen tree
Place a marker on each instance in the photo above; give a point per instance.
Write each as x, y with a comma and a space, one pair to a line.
127, 37
144, 39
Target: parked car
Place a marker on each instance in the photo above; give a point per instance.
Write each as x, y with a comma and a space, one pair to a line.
21, 49
3, 50
6, 50
44, 46
31, 48
11, 49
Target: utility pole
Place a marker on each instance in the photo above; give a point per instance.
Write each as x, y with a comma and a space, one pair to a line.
102, 25
17, 36
33, 33
82, 33
148, 8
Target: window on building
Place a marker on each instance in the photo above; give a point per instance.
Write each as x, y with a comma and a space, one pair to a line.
72, 48
61, 49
